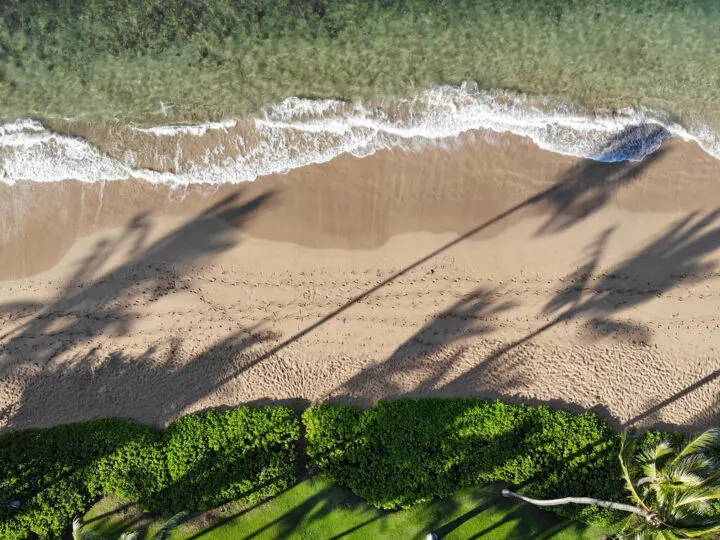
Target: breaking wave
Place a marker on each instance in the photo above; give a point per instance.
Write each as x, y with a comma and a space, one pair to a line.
299, 132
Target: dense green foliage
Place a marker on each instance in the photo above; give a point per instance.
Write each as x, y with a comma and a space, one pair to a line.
199, 462
409, 451
394, 456
219, 58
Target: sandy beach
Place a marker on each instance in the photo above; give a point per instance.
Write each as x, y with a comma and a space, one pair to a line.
495, 269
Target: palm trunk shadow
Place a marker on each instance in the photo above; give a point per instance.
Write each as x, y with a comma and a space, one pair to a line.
457, 522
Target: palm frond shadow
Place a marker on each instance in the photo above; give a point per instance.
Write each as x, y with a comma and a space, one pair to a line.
588, 187
678, 256
469, 317
94, 303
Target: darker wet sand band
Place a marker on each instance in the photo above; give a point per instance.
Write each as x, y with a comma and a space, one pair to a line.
361, 203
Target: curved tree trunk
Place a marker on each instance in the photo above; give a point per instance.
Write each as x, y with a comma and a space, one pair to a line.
581, 500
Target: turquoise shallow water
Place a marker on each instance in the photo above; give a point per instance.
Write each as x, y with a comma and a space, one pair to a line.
221, 59
608, 80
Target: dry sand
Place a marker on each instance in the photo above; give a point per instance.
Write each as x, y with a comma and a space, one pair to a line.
494, 270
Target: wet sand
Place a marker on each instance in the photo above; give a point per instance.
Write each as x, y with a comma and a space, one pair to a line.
495, 270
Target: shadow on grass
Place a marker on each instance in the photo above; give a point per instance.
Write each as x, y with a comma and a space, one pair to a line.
447, 528
120, 509
224, 520
332, 513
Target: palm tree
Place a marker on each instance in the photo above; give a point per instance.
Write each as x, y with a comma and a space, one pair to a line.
674, 494
81, 533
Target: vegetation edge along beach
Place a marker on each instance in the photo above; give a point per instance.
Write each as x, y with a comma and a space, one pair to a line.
396, 455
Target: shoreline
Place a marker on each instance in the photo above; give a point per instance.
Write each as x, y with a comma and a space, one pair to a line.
298, 132
353, 202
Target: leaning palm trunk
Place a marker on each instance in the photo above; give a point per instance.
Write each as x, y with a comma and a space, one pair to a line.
676, 493
582, 500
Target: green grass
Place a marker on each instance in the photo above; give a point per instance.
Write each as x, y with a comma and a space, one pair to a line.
317, 509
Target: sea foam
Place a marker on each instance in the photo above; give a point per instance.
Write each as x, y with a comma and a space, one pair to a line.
299, 132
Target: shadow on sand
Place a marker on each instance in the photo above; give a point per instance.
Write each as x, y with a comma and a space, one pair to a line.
95, 303
675, 258
91, 306
579, 193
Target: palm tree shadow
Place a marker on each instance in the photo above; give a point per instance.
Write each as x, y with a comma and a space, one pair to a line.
707, 418
147, 387
588, 187
95, 303
420, 367
566, 201
447, 528
579, 193
317, 507
469, 317
578, 280
675, 258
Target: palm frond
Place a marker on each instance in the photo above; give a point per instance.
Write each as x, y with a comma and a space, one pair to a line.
134, 535
77, 527
647, 480
682, 479
680, 486
663, 496
700, 463
707, 530
677, 515
648, 456
166, 532
623, 535
634, 526
706, 441
78, 530
642, 530
628, 444
690, 497
699, 495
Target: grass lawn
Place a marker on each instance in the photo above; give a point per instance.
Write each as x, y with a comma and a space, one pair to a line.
316, 509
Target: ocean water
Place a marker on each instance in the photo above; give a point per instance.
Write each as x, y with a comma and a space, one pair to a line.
298, 132
209, 98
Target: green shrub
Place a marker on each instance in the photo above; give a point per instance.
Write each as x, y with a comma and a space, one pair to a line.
396, 455
200, 461
409, 451
216, 457
53, 472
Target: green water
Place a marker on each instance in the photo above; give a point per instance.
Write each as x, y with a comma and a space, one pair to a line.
214, 59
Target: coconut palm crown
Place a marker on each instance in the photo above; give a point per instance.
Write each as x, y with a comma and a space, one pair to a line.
675, 488
679, 487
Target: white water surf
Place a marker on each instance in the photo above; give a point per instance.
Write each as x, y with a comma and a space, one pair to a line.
299, 132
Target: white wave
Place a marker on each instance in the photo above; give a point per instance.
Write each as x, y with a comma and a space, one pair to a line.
193, 131
298, 132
